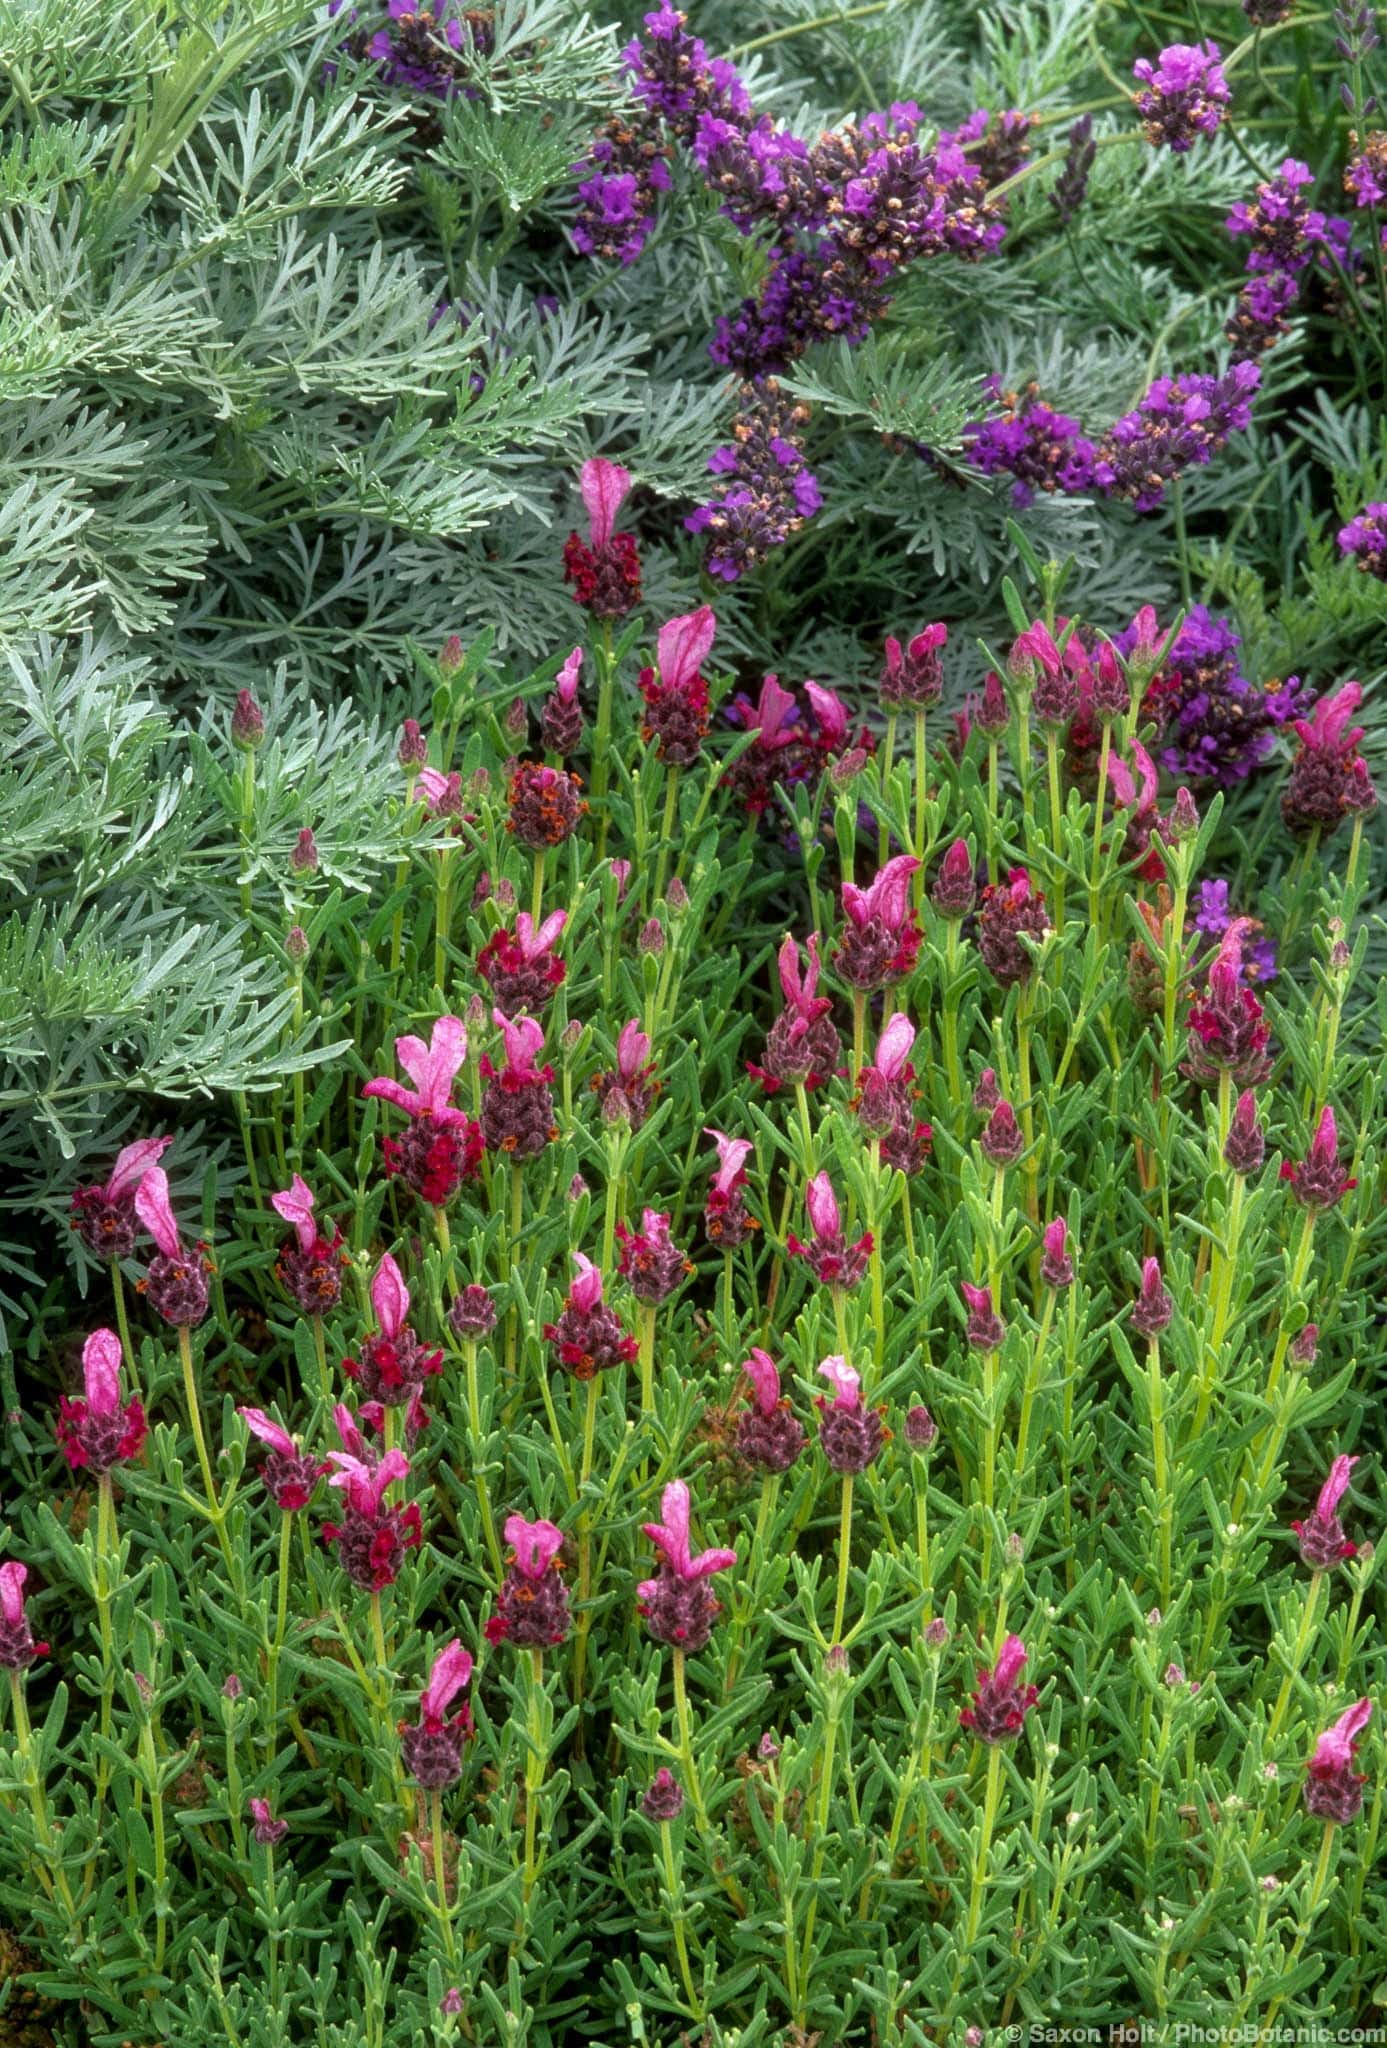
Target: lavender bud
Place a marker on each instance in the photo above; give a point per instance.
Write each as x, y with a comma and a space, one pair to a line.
296, 944
304, 858
652, 938
664, 1801
413, 750
920, 1427
452, 655
247, 721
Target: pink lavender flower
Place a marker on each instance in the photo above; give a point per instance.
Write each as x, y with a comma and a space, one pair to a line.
766, 490
267, 1830
1227, 1031
1056, 1265
984, 1330
373, 1535
886, 1098
1002, 1141
1182, 421
1322, 1540
1185, 94
440, 794
309, 1266
954, 889
545, 806
18, 1648
833, 1261
472, 1313
802, 1045
914, 675
1333, 1789
633, 1078
393, 1364
431, 1747
289, 1474
725, 1218
785, 752
518, 1106
605, 570
1000, 1705
1011, 910
678, 1605
101, 1431
650, 1261
1320, 1181
521, 967
675, 693
881, 942
532, 1610
850, 1434
442, 1147
175, 1281
1153, 1308
1329, 779
588, 1338
664, 1798
103, 1214
1245, 1147
769, 1434
561, 720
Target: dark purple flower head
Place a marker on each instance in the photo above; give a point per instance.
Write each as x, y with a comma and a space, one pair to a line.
1245, 1146
620, 185
432, 1747
1000, 1704
521, 967
587, 1338
1153, 1308
1320, 1180
373, 1535
1228, 1033
545, 806
1002, 1141
985, 1329
672, 73
1182, 421
769, 1434
1322, 1541
1041, 449
1364, 539
633, 1078
247, 721
100, 1431
532, 1609
309, 1266
472, 1313
413, 750
851, 1435
675, 693
1056, 1265
1071, 186
1184, 94
921, 1429
664, 1799
175, 1281
1329, 779
289, 1474
881, 936
650, 1260
393, 1364
1365, 174
1011, 910
1215, 725
802, 1045
765, 491
913, 674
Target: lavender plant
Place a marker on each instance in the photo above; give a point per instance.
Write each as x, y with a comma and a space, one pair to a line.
690, 1353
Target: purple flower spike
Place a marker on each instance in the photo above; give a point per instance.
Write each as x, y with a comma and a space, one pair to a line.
679, 1606
1185, 94
1333, 1789
1000, 1705
1153, 1308
1322, 1540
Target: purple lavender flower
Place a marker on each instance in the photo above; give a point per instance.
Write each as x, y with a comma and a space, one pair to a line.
672, 73
1042, 449
1071, 185
421, 49
1153, 1308
1365, 539
1365, 174
1215, 725
769, 1434
767, 491
1185, 94
620, 184
1182, 421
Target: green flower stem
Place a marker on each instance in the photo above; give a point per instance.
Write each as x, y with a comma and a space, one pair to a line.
1225, 1264
1307, 1920
745, 1605
50, 1872
442, 916
921, 800
1095, 899
440, 1875
844, 1559
884, 761
286, 1537
678, 1918
215, 1510
686, 1751
667, 827
1032, 1386
1160, 1465
150, 1762
602, 738
1268, 1445
993, 809
127, 1349
1052, 774
536, 1759
982, 1854
584, 1617
474, 1419
537, 887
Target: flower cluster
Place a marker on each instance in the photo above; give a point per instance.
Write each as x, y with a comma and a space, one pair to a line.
1181, 422
442, 1147
1042, 449
1329, 779
1215, 726
1364, 540
102, 1430
420, 49
621, 183
766, 490
604, 569
678, 1605
1285, 233
1184, 94
532, 1608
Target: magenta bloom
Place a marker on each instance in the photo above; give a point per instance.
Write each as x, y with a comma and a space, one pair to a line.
432, 1747
544, 805
100, 1431
1319, 1181
103, 1214
802, 1045
267, 1830
440, 794
1002, 1141
678, 1605
676, 696
652, 1263
393, 1365
851, 1435
1329, 779
1011, 910
561, 720
521, 967
518, 1108
1185, 94
1000, 1705
442, 1147
882, 941
605, 570
886, 1099
175, 1282
18, 1649
1245, 1146
1322, 1541
725, 1218
985, 1329
1333, 1789
373, 1535
289, 1474
1153, 1308
632, 1085
769, 1434
1056, 1266
309, 1266
1227, 1031
834, 1262
954, 890
913, 675
532, 1611
588, 1338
